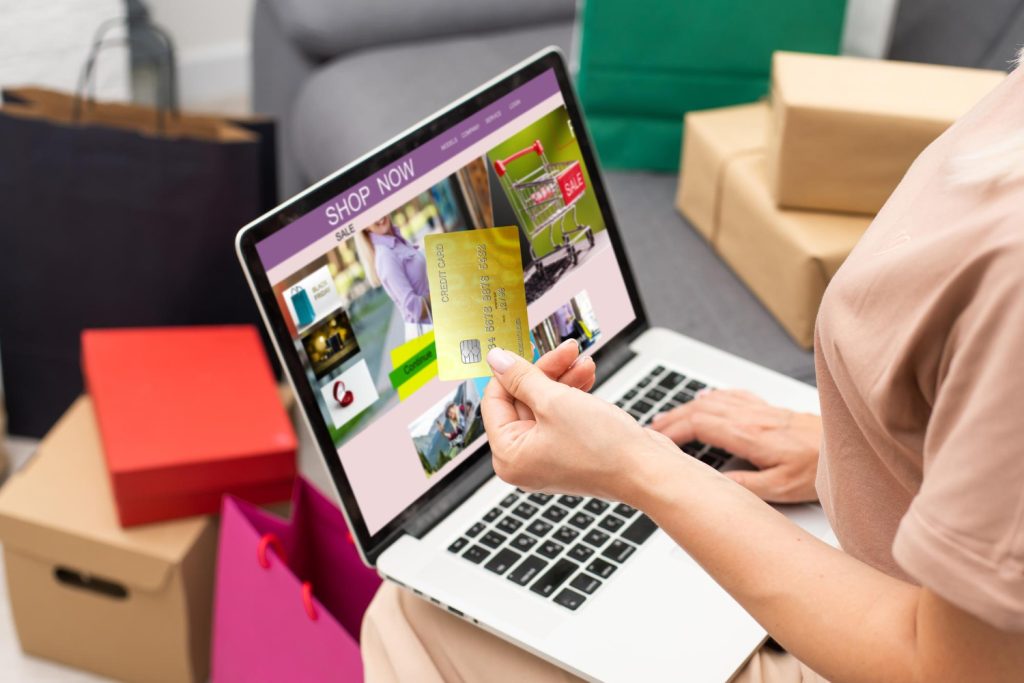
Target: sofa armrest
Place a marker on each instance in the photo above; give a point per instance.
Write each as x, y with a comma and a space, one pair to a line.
326, 28
279, 69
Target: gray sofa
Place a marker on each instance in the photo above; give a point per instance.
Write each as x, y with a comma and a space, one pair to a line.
343, 77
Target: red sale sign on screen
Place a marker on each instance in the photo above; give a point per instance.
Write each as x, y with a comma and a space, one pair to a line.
570, 182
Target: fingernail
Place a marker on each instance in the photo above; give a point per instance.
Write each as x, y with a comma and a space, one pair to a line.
580, 360
658, 418
500, 360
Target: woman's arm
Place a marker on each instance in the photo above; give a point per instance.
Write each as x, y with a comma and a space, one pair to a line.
843, 618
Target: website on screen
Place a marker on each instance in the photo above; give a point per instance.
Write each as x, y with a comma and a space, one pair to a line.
350, 280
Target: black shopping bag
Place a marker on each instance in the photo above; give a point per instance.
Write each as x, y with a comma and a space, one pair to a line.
115, 215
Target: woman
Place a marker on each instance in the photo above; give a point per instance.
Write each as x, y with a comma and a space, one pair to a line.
390, 260
453, 426
917, 457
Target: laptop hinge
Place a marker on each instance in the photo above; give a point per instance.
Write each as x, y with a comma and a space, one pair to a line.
454, 495
612, 359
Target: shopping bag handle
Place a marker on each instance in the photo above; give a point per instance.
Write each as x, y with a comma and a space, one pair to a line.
501, 165
270, 541
84, 92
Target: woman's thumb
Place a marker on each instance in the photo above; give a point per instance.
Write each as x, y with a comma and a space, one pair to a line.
522, 379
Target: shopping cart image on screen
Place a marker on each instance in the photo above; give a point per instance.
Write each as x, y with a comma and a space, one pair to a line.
544, 198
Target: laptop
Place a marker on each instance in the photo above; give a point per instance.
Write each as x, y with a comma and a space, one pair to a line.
338, 273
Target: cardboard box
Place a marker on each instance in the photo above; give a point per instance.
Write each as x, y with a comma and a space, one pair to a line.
785, 257
187, 414
130, 604
642, 67
714, 139
847, 129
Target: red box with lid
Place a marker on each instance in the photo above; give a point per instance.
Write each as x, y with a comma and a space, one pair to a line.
187, 414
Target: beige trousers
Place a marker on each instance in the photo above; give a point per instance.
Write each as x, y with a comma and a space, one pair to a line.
408, 639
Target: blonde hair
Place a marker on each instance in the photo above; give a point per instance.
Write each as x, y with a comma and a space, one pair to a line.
367, 256
994, 164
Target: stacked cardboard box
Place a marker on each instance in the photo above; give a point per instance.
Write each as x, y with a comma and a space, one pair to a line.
177, 418
784, 190
131, 604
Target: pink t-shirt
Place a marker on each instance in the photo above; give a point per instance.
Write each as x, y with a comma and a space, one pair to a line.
920, 360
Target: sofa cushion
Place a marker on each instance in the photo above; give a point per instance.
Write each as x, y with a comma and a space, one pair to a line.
355, 102
981, 34
327, 28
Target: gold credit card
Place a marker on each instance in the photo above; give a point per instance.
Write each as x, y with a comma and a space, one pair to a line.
477, 298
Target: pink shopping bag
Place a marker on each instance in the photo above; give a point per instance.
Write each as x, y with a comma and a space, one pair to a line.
290, 594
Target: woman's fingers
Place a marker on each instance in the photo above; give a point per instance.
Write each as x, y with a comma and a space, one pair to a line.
759, 482
706, 403
715, 431
517, 393
778, 484
556, 364
731, 436
565, 364
498, 408
521, 379
581, 374
557, 361
736, 406
678, 428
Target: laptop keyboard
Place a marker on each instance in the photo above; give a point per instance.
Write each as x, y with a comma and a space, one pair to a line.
560, 547
564, 548
662, 390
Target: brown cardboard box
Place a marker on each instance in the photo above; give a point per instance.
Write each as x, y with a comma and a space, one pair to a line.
845, 129
785, 257
131, 604
715, 138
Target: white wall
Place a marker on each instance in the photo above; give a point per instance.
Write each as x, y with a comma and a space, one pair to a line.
46, 43
212, 38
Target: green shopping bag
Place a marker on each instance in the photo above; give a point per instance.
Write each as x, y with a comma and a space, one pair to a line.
644, 64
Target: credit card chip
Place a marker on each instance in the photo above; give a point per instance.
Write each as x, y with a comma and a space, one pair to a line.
470, 351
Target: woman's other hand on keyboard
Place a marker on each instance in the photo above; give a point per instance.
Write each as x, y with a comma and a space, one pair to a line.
782, 444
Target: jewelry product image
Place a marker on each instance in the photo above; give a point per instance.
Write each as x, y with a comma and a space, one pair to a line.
346, 397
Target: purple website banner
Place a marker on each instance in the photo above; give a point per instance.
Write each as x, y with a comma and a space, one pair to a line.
335, 214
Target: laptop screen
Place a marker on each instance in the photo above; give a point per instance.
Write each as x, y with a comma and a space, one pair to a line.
350, 279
